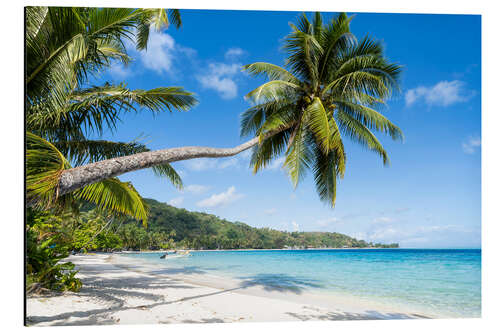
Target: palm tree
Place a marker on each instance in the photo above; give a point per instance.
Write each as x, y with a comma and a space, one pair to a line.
64, 46
331, 89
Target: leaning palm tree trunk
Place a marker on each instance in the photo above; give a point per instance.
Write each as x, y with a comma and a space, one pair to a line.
75, 178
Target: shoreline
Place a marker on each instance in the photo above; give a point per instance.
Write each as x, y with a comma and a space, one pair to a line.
266, 288
315, 248
118, 290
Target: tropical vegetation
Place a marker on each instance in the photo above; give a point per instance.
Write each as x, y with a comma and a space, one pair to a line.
65, 48
197, 230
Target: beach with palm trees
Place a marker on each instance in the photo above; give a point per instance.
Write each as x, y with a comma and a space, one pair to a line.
307, 110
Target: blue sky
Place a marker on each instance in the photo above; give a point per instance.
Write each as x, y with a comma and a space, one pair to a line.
430, 195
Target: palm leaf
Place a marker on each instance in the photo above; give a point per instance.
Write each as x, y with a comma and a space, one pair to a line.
273, 72
44, 165
116, 196
318, 123
272, 90
269, 149
298, 156
370, 118
166, 170
90, 151
360, 134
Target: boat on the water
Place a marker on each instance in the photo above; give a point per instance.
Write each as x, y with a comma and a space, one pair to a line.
175, 254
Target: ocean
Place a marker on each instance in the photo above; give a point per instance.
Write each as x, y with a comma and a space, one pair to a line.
445, 282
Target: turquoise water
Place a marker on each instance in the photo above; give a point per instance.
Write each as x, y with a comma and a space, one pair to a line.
445, 282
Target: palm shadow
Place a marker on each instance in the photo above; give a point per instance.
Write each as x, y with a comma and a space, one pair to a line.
280, 283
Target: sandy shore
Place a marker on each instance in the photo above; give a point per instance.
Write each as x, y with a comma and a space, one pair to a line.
118, 290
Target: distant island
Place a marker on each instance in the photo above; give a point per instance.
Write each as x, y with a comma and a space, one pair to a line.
170, 227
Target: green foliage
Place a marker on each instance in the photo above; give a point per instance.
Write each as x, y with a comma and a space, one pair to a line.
330, 88
65, 47
46, 247
137, 238
205, 231
44, 164
92, 231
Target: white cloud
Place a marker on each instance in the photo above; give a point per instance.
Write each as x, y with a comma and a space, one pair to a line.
220, 77
182, 173
228, 163
276, 164
295, 226
233, 53
221, 199
118, 70
444, 93
202, 164
469, 146
410, 235
270, 211
159, 54
196, 189
245, 155
176, 201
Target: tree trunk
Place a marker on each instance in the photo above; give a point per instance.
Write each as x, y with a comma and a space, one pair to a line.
75, 178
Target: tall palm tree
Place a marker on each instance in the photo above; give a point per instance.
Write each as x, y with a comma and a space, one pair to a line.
329, 91
332, 88
64, 46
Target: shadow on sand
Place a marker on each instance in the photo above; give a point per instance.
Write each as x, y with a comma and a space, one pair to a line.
279, 282
110, 291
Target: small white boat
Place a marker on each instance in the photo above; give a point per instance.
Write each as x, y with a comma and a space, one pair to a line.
175, 254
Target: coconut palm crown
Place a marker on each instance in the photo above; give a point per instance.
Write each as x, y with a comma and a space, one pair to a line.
330, 88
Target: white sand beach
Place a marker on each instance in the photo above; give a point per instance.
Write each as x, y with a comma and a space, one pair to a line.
118, 290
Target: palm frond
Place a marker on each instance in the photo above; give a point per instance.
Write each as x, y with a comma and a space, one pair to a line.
325, 175
44, 165
90, 151
361, 134
298, 155
336, 38
370, 118
269, 149
166, 170
272, 72
272, 90
116, 196
318, 123
304, 54
99, 106
156, 18
174, 16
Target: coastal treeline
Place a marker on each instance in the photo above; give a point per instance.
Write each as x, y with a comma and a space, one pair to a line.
197, 230
169, 227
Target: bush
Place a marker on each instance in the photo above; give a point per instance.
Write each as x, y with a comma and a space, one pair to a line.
46, 247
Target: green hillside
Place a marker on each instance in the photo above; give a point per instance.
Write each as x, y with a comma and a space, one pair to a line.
206, 231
